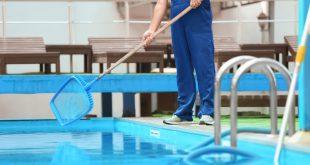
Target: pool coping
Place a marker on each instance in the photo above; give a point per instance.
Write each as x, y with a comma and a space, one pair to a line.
202, 130
263, 139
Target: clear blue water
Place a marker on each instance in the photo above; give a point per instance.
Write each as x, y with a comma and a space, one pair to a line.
115, 142
84, 148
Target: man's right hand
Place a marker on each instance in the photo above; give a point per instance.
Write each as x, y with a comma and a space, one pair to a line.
148, 37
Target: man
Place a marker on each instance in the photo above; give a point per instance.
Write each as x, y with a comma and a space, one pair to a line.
193, 47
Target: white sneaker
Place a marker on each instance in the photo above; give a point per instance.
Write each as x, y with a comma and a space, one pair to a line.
206, 119
172, 120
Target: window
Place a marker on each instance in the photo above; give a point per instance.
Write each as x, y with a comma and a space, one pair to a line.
249, 2
228, 4
231, 4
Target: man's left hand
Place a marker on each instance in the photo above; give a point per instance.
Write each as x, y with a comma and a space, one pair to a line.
195, 3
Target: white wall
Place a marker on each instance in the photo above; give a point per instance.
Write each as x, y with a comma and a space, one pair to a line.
248, 32
100, 14
32, 106
285, 10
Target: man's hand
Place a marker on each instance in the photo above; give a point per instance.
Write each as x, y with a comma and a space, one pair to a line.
195, 3
148, 37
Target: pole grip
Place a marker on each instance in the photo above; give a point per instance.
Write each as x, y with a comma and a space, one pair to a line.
301, 52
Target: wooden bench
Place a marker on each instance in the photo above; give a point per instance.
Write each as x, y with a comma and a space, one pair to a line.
225, 43
227, 48
30, 50
109, 50
72, 50
221, 44
292, 42
223, 56
279, 49
163, 44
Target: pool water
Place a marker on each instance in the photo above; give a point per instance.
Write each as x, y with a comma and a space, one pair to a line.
113, 141
84, 148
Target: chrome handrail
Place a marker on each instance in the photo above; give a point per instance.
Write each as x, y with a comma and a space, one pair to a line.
234, 99
217, 98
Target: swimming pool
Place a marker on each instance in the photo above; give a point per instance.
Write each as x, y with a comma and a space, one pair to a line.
113, 141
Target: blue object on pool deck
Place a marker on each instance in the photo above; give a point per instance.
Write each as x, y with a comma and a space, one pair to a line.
139, 83
304, 92
72, 101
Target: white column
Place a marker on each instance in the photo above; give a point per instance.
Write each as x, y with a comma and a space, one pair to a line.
127, 17
238, 15
69, 8
137, 105
3, 18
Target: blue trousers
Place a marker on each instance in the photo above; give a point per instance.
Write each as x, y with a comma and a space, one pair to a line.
193, 47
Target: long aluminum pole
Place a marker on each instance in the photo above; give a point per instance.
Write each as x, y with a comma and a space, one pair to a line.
290, 99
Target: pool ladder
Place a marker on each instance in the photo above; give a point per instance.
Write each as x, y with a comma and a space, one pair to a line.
247, 63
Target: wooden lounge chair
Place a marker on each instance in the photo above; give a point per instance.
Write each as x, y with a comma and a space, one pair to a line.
30, 50
109, 50
292, 42
72, 50
279, 49
225, 49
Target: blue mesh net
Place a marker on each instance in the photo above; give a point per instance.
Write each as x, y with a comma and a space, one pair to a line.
72, 101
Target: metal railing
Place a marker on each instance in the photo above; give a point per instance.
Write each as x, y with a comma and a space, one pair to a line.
217, 97
234, 99
247, 63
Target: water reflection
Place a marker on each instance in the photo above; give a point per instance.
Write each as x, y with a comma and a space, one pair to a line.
92, 148
114, 148
136, 149
67, 153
